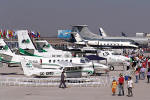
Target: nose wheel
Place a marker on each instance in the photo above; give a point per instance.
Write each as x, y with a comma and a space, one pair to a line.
111, 68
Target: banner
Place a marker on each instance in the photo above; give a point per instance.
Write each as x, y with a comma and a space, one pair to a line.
64, 33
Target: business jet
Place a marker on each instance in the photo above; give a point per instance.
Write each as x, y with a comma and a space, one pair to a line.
102, 43
113, 59
87, 34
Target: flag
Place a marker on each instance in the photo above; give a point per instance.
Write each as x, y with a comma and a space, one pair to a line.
14, 34
33, 34
38, 34
1, 35
4, 33
10, 32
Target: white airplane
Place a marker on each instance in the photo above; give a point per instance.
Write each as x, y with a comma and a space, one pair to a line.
45, 65
113, 59
26, 47
7, 56
31, 69
101, 43
139, 40
54, 55
87, 34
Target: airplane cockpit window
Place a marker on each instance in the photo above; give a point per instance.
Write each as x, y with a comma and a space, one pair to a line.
82, 61
106, 54
87, 60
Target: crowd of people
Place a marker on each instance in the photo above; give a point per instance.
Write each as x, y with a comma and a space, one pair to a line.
140, 65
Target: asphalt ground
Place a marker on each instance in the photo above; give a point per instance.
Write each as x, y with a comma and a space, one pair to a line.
141, 90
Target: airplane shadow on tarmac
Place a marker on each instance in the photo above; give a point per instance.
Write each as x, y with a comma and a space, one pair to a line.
10, 74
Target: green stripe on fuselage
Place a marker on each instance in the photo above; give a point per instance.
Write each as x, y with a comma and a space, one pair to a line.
27, 53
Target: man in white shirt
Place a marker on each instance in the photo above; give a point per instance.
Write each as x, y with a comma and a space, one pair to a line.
130, 86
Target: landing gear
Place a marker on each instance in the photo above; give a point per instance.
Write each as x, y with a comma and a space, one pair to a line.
111, 68
9, 65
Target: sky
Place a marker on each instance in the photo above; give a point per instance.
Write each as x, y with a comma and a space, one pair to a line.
47, 16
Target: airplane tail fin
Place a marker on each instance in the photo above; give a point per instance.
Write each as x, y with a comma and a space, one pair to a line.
84, 31
76, 37
102, 32
27, 67
4, 49
123, 34
24, 40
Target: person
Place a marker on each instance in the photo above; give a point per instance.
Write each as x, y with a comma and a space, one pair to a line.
130, 86
142, 71
62, 81
121, 85
114, 86
128, 65
148, 75
136, 75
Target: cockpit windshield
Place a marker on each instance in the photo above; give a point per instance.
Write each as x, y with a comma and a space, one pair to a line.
84, 60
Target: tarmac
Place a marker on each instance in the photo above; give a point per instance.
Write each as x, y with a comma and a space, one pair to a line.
141, 90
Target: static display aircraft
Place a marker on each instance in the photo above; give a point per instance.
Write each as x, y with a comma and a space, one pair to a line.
101, 43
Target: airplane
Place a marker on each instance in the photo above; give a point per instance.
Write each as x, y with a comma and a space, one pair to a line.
7, 56
31, 69
101, 43
142, 41
113, 58
87, 34
54, 55
27, 47
85, 67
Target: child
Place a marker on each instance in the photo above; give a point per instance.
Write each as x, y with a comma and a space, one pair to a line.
114, 86
136, 75
130, 86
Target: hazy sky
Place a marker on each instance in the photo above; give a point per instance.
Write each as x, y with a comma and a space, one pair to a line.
47, 16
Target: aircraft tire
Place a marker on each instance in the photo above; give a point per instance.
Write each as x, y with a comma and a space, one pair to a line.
9, 65
111, 68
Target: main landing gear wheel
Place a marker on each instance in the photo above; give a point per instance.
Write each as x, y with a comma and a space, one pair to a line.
111, 68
